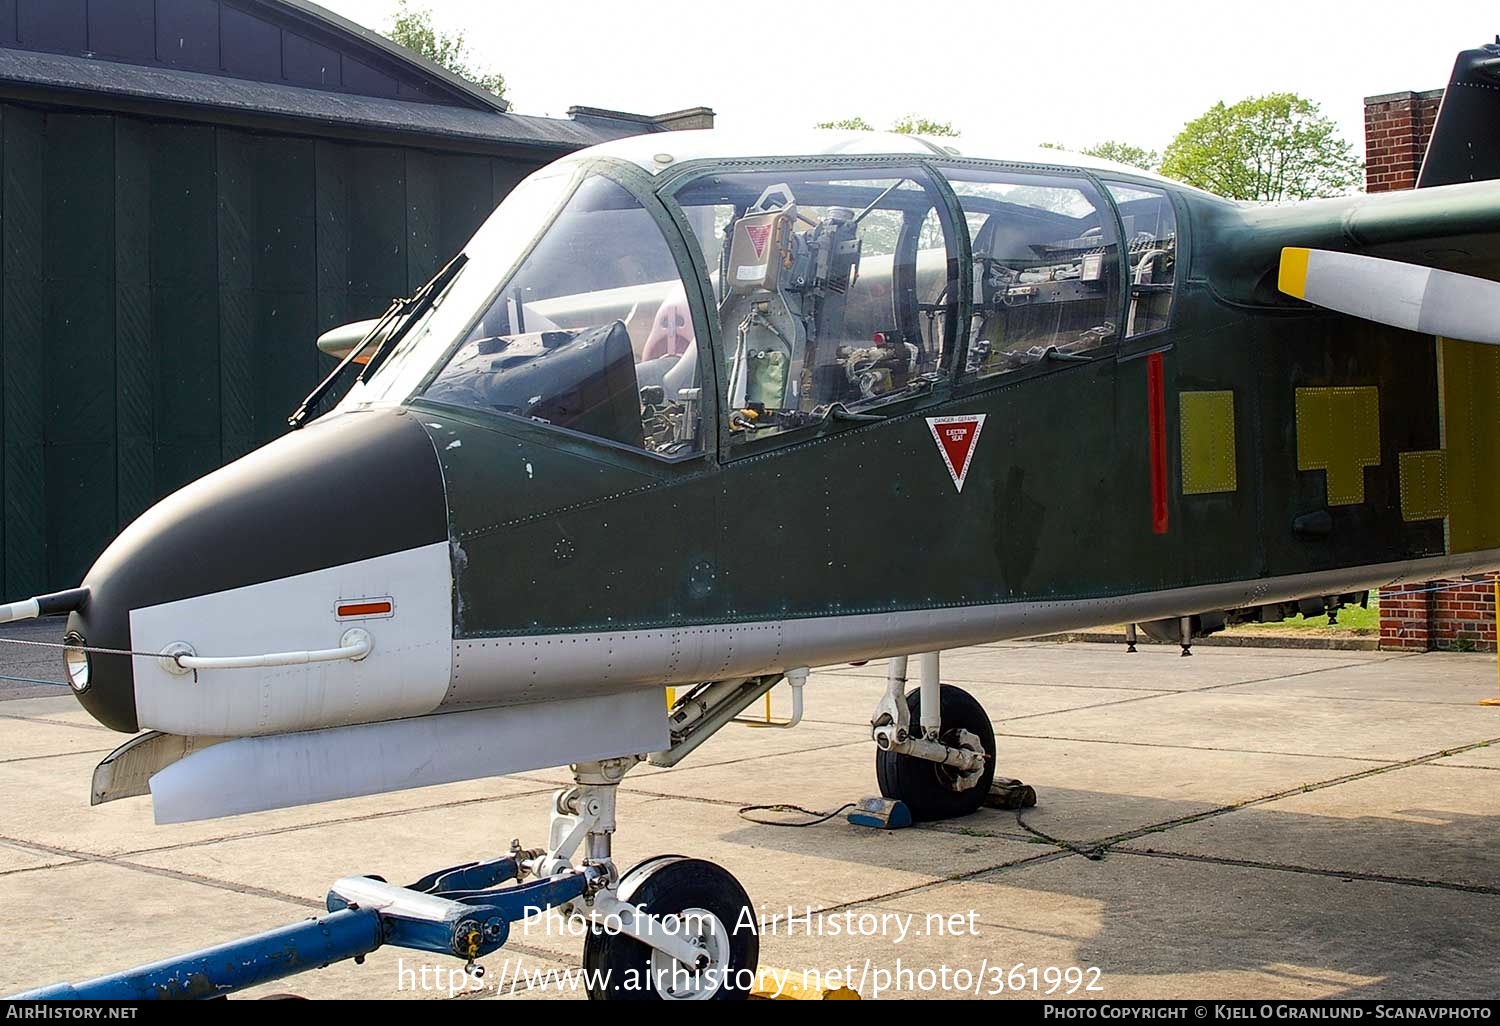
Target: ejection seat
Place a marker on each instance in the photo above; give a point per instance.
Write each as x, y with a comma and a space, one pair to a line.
671, 350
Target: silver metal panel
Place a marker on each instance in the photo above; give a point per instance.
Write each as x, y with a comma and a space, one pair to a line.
287, 770
522, 669
126, 772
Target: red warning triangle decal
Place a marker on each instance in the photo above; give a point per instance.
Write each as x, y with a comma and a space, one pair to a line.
759, 234
957, 438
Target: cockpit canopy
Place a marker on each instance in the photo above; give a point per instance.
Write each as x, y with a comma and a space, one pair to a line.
581, 305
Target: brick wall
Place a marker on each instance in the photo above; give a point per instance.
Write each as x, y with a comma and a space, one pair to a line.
1459, 616
1398, 127
1463, 619
1405, 621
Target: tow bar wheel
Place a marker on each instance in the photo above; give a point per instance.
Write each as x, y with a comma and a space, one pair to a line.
690, 898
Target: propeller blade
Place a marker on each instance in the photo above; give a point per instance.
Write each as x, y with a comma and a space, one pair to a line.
340, 342
1420, 299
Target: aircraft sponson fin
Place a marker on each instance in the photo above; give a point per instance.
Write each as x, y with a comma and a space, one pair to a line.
1465, 143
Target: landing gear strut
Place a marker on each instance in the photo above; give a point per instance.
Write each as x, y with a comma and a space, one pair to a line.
943, 768
671, 929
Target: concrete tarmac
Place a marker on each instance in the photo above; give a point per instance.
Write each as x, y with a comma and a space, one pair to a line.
1245, 823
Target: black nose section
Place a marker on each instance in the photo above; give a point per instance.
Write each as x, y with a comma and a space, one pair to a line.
346, 488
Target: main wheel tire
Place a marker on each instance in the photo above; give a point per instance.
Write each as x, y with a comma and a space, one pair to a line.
699, 900
926, 787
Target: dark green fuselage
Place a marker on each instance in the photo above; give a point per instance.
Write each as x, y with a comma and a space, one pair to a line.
557, 534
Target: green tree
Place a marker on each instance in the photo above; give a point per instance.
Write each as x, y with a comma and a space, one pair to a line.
1119, 152
414, 29
1126, 153
1271, 148
854, 124
913, 125
909, 125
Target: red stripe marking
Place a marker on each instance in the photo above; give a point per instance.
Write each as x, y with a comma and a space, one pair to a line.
1156, 405
365, 609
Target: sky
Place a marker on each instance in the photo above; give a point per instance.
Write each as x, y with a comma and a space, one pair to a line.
1074, 72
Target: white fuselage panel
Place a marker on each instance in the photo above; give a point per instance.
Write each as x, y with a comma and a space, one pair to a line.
405, 674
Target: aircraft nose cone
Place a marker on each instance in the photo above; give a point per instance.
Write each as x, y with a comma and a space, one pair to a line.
345, 488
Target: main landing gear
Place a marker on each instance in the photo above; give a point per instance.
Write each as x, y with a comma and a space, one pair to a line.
936, 746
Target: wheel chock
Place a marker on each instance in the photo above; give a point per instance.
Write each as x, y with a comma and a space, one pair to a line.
1006, 793
785, 985
881, 814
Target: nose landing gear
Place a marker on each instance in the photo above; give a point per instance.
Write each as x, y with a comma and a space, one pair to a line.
696, 901
670, 929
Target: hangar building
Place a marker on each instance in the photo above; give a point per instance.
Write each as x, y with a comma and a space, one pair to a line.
190, 192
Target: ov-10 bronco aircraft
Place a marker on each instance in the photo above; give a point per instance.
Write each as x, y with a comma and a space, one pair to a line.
706, 410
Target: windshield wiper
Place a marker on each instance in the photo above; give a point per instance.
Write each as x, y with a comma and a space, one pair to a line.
407, 312
416, 306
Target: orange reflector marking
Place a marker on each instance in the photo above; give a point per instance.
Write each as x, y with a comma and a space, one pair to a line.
351, 609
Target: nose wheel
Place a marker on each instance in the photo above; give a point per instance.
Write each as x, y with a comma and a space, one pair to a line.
935, 790
698, 902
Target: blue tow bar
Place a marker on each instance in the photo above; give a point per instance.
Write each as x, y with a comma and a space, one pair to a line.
462, 911
267, 956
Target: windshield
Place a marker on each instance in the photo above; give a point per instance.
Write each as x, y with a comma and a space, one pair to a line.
492, 253
591, 333
833, 288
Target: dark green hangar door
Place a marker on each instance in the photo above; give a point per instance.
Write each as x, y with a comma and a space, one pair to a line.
192, 191
163, 288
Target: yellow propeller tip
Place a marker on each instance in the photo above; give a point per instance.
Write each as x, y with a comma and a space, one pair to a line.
1293, 279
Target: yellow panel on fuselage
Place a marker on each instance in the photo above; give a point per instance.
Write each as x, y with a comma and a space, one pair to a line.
1471, 430
1208, 445
1338, 430
1424, 485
